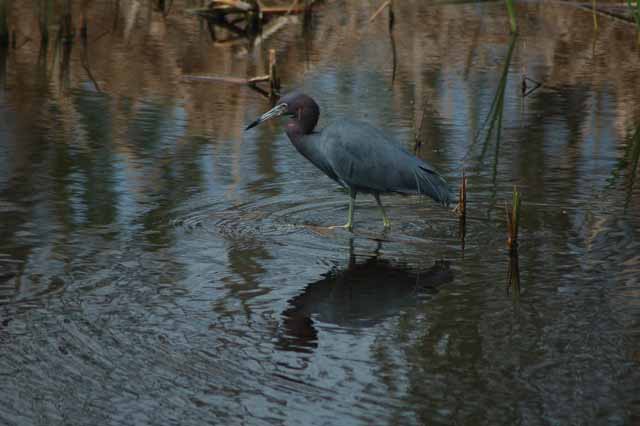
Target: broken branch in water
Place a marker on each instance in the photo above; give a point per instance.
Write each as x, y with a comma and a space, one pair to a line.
235, 80
272, 78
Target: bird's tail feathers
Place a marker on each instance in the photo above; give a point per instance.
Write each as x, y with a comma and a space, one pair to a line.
430, 183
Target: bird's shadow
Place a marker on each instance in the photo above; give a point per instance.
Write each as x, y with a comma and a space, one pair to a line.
361, 295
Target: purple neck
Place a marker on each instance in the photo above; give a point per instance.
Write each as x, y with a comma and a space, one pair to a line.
294, 131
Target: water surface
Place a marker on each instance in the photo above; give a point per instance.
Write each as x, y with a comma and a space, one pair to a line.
160, 266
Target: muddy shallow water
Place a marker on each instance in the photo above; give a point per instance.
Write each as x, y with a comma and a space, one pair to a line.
160, 266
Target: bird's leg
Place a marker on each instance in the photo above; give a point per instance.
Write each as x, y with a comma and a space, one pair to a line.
352, 206
385, 218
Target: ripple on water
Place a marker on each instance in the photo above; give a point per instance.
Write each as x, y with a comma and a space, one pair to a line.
300, 222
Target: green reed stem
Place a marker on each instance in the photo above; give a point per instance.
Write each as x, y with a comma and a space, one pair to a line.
513, 220
497, 105
512, 15
635, 12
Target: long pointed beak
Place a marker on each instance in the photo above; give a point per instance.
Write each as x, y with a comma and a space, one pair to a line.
274, 112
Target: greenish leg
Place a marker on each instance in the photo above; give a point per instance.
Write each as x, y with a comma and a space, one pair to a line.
352, 206
385, 218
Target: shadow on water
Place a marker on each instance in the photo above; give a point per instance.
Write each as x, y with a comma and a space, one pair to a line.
361, 295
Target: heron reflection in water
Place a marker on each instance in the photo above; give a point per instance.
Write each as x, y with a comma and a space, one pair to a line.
361, 295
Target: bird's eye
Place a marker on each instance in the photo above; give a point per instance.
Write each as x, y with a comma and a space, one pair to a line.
284, 107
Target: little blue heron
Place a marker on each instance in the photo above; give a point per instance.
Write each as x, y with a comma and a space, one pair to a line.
356, 155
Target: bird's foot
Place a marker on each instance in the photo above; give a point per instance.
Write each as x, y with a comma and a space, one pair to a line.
348, 227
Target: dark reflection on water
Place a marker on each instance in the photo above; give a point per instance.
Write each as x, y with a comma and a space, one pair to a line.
362, 295
160, 266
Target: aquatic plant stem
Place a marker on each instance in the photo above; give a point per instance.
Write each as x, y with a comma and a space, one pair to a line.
462, 209
513, 273
512, 16
513, 220
497, 105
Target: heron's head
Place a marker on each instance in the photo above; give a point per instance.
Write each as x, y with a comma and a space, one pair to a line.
298, 106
